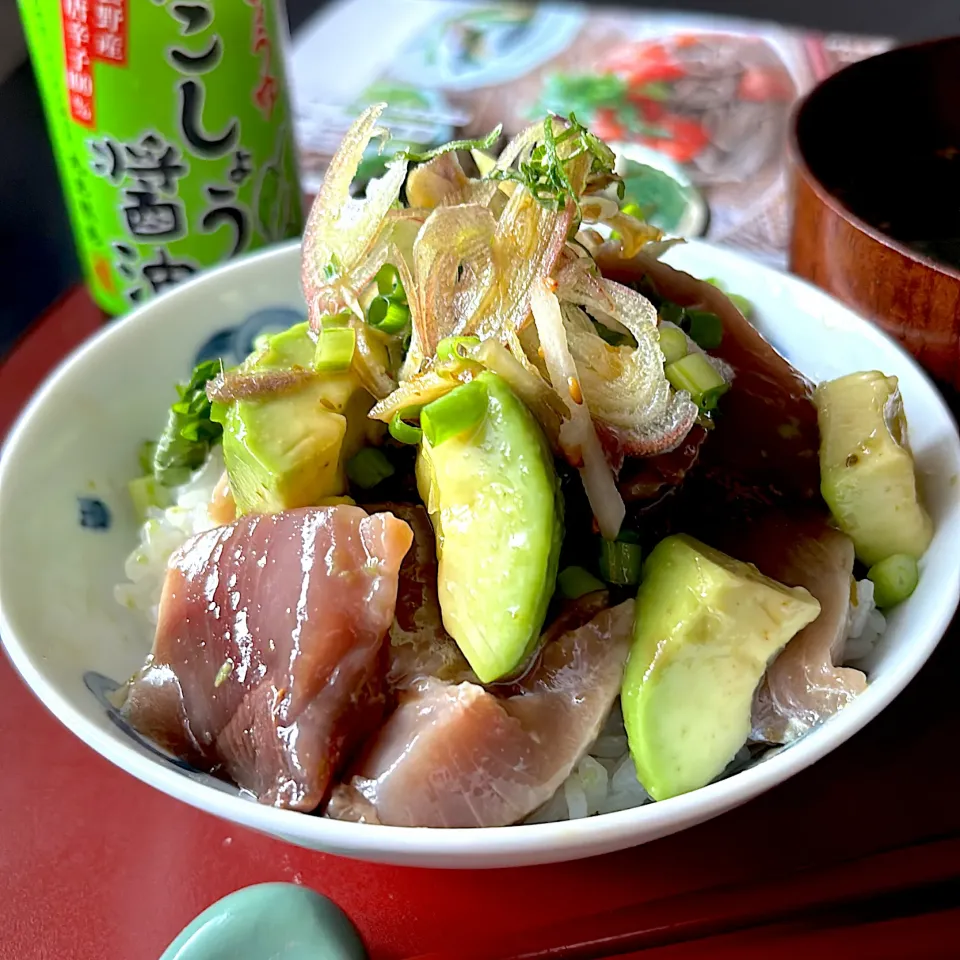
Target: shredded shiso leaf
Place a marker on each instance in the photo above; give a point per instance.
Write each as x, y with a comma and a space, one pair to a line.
504, 264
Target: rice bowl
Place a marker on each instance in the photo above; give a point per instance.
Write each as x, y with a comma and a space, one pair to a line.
77, 626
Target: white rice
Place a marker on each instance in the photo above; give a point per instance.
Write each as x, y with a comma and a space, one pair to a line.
162, 533
865, 624
604, 781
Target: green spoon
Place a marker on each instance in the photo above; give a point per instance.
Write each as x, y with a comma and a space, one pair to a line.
269, 921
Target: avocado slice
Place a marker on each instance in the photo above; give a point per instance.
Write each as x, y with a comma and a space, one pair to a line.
866, 468
706, 627
494, 500
289, 450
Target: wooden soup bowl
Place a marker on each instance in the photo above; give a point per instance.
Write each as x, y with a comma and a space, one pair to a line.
876, 147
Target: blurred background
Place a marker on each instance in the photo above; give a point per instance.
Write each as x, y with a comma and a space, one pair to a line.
707, 137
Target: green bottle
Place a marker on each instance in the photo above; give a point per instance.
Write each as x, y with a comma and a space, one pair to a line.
172, 131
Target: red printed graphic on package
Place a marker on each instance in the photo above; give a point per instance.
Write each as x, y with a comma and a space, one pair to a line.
267, 91
109, 36
76, 45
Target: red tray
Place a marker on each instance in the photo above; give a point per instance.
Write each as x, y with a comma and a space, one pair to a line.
94, 863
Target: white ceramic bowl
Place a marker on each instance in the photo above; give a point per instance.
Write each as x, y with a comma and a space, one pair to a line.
75, 448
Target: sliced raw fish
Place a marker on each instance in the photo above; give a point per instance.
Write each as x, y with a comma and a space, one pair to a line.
419, 644
804, 685
267, 665
766, 441
568, 616
456, 755
649, 478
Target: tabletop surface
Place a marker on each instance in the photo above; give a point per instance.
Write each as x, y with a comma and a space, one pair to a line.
89, 856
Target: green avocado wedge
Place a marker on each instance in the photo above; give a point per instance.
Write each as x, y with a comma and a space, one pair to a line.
706, 627
868, 477
290, 449
494, 500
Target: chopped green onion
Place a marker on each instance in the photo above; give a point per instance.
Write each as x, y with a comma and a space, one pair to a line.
706, 328
626, 535
894, 579
332, 320
710, 399
672, 313
744, 305
741, 303
450, 415
388, 315
632, 210
614, 337
146, 492
335, 349
402, 431
620, 562
575, 582
388, 280
334, 268
673, 344
449, 347
225, 670
369, 467
694, 374
145, 455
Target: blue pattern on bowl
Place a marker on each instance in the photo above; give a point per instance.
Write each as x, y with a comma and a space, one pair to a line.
103, 689
218, 347
233, 345
94, 513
